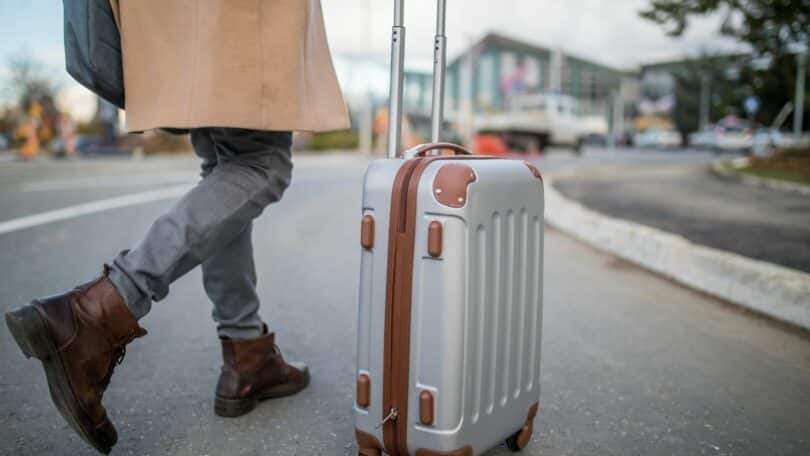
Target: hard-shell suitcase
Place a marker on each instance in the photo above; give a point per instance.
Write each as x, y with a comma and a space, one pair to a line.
450, 299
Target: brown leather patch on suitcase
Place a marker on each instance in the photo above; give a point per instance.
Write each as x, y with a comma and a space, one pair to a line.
451, 182
525, 434
534, 170
367, 444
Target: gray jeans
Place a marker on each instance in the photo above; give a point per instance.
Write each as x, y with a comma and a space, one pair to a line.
243, 171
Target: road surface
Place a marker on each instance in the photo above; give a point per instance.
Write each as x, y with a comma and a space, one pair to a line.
685, 198
632, 363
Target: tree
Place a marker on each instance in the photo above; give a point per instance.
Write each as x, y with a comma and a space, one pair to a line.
29, 83
770, 27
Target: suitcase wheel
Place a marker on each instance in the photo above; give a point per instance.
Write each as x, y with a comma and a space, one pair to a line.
520, 439
512, 442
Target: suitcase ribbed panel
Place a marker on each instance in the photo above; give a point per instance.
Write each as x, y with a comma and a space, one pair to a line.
477, 310
503, 275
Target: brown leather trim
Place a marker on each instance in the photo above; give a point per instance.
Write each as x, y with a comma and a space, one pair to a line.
426, 408
534, 170
399, 284
390, 359
367, 232
367, 444
466, 451
434, 246
451, 183
363, 390
525, 435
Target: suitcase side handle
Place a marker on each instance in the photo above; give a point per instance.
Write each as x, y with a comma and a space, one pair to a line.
422, 149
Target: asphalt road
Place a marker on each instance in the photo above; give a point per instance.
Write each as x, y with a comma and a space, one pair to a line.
632, 363
685, 198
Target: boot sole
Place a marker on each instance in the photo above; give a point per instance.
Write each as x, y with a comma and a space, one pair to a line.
232, 408
33, 336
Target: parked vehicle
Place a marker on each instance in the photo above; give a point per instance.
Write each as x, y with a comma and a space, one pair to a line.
656, 138
703, 139
733, 138
535, 121
765, 140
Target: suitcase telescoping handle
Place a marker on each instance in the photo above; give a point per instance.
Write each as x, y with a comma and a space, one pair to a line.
397, 72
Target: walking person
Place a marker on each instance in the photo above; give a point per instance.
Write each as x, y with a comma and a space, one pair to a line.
239, 76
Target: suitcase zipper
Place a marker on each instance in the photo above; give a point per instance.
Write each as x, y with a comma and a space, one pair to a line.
392, 416
399, 222
397, 330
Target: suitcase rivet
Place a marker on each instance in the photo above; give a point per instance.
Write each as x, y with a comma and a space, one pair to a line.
438, 191
460, 199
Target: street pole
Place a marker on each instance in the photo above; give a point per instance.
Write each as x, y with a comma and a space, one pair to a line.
798, 113
704, 101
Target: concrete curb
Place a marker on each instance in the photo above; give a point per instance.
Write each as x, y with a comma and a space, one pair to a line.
729, 169
776, 291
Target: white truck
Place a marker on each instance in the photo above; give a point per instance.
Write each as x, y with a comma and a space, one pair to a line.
539, 120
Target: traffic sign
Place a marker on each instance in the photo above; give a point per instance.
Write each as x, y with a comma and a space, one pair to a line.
751, 104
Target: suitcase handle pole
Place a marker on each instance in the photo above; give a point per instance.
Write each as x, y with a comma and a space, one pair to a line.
439, 65
395, 94
397, 75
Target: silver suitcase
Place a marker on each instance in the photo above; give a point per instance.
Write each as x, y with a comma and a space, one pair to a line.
450, 300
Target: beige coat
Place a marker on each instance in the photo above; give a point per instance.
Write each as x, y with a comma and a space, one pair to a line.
258, 64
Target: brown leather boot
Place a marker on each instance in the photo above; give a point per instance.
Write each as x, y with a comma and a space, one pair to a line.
79, 336
253, 371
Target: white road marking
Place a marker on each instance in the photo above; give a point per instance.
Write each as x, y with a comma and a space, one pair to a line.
110, 181
92, 207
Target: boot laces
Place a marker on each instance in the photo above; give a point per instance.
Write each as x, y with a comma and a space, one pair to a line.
118, 358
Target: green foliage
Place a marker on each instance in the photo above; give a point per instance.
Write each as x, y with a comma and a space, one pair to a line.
727, 91
341, 139
88, 128
771, 27
792, 165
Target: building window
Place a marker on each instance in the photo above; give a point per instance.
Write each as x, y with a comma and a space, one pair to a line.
486, 81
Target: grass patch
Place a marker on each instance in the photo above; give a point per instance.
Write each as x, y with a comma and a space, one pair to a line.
791, 165
341, 139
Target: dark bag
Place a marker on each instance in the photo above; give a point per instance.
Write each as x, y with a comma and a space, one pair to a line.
93, 48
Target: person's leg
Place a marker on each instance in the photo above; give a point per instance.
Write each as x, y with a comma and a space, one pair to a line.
229, 277
252, 170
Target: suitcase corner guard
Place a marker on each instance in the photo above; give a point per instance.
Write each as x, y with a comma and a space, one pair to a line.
367, 444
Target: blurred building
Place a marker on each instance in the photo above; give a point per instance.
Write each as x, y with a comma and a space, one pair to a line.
498, 68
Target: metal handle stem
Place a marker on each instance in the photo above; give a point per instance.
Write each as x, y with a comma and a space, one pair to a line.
395, 94
397, 70
439, 56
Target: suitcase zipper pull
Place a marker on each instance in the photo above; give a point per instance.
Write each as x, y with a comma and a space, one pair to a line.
392, 416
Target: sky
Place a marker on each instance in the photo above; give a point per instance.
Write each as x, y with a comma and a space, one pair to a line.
607, 31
